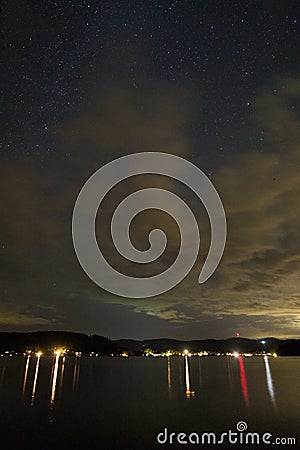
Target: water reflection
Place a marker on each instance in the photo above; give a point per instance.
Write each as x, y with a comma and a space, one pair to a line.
188, 392
54, 380
269, 380
62, 375
229, 371
76, 372
25, 374
169, 374
3, 370
178, 374
35, 377
62, 372
118, 387
244, 381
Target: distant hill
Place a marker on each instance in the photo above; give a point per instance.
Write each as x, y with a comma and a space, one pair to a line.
46, 341
282, 347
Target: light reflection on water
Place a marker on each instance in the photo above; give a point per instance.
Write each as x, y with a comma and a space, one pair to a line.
62, 374
242, 374
58, 371
188, 392
270, 381
229, 371
169, 374
26, 374
54, 379
3, 370
244, 381
37, 366
76, 372
199, 392
56, 376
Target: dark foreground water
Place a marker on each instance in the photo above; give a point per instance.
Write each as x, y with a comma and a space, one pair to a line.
123, 403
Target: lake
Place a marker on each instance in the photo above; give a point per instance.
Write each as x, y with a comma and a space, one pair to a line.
70, 402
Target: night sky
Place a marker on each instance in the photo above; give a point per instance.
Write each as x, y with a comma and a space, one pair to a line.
216, 82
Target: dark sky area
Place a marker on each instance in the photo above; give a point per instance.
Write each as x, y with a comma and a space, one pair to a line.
216, 82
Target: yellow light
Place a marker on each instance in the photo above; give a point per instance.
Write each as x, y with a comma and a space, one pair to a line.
186, 352
58, 352
38, 354
275, 355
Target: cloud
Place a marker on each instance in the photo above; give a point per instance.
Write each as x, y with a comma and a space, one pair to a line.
256, 285
259, 273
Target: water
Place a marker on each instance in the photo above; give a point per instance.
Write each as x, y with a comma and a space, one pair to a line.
123, 403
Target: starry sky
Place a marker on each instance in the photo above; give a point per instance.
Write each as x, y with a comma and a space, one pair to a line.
216, 82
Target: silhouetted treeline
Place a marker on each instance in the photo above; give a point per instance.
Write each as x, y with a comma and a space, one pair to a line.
288, 347
46, 341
